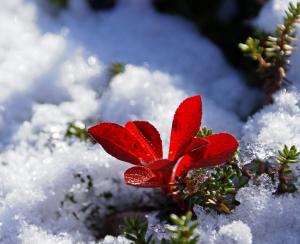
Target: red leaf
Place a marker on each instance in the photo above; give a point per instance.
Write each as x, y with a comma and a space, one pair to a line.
164, 167
147, 135
196, 144
120, 143
221, 147
186, 124
160, 164
142, 177
182, 166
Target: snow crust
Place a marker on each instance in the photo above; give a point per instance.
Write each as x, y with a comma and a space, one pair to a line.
275, 126
260, 218
53, 71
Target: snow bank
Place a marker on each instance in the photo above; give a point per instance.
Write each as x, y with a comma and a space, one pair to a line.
140, 93
53, 72
261, 218
32, 234
273, 127
135, 33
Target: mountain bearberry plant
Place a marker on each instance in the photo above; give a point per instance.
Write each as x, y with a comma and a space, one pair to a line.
139, 143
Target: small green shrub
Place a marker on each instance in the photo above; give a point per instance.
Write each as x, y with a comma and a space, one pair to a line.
272, 52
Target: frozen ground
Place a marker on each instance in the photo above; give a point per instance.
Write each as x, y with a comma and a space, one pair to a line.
53, 70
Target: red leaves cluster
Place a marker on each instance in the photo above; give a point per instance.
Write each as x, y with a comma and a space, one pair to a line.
139, 143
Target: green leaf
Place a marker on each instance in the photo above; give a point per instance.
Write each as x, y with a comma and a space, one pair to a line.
182, 229
116, 69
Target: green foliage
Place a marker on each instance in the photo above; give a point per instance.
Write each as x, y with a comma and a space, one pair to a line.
287, 156
221, 180
272, 52
135, 230
279, 171
277, 45
60, 3
203, 132
182, 230
215, 190
252, 48
77, 130
242, 175
116, 69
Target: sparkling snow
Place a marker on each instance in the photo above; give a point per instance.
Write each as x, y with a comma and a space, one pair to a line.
53, 69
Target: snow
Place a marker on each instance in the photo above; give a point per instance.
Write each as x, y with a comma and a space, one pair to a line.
261, 218
115, 240
237, 232
272, 14
53, 69
156, 101
32, 234
275, 126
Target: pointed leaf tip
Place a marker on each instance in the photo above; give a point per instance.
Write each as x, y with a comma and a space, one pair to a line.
186, 124
147, 134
